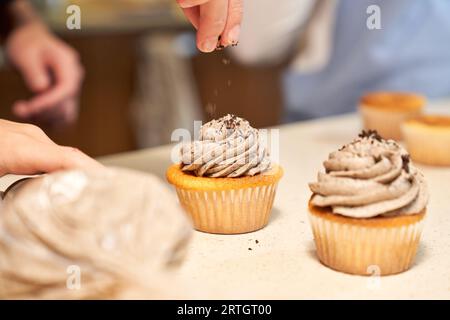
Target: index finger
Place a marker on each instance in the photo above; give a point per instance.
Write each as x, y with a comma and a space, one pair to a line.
41, 157
213, 16
230, 35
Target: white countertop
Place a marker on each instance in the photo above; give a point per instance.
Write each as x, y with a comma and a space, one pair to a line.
283, 264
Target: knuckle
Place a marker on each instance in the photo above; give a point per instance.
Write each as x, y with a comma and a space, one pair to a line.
31, 129
72, 156
72, 150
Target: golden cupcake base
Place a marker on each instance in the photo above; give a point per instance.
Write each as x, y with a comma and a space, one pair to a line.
226, 205
386, 111
427, 139
374, 246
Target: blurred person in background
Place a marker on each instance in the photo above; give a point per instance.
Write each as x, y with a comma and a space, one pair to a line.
340, 58
50, 68
53, 73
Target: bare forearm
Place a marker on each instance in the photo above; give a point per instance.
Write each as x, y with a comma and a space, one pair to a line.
50, 68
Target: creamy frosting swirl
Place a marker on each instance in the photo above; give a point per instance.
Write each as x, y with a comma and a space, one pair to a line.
370, 177
227, 147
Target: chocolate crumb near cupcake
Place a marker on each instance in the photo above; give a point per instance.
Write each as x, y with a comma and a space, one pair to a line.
367, 210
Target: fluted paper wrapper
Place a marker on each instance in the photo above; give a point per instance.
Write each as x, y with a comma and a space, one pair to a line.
229, 211
363, 249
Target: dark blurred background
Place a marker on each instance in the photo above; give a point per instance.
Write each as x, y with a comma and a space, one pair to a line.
144, 77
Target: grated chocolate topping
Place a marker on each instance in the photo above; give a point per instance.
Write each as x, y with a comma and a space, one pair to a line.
406, 160
370, 134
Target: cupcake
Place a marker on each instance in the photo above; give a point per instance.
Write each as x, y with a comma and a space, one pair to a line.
427, 139
367, 208
385, 111
226, 181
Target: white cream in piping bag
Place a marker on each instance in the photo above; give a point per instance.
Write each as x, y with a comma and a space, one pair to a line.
370, 177
227, 147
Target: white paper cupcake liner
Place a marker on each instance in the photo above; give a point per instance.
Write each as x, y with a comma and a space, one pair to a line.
229, 211
363, 250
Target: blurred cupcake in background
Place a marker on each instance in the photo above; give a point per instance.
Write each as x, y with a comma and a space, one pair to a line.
226, 181
368, 207
428, 139
386, 111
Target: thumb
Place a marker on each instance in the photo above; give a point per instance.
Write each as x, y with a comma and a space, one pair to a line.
75, 159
